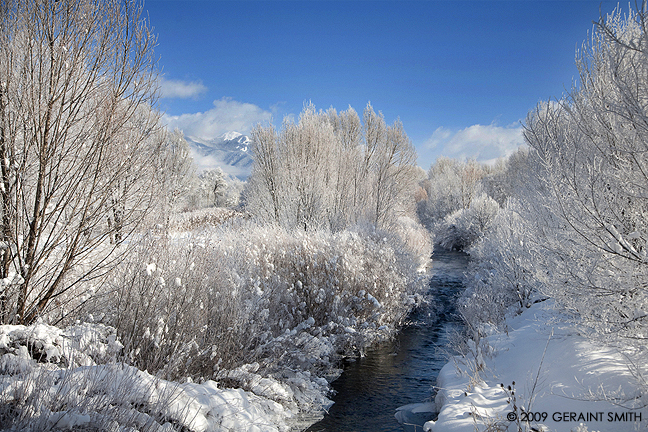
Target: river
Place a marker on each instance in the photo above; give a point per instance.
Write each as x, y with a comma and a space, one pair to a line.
403, 371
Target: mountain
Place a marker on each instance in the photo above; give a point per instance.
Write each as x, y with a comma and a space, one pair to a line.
230, 151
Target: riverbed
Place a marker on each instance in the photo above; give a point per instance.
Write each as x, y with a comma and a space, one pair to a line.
402, 371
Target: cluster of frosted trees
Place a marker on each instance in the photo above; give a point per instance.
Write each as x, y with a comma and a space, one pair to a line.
458, 200
592, 202
331, 170
576, 226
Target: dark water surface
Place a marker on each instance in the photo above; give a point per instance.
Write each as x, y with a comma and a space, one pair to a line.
403, 371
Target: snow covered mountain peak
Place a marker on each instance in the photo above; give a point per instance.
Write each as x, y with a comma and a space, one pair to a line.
229, 151
229, 136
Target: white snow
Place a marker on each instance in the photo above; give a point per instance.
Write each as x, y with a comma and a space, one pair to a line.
229, 136
150, 269
566, 382
87, 394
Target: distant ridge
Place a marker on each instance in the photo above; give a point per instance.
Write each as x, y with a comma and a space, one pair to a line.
230, 151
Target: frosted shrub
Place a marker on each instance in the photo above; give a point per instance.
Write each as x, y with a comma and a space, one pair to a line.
208, 302
169, 301
105, 398
416, 240
503, 271
463, 227
202, 218
50, 381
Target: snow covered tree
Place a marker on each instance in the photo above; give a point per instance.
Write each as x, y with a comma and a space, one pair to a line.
214, 186
504, 270
347, 179
591, 202
389, 165
78, 140
329, 170
450, 187
176, 171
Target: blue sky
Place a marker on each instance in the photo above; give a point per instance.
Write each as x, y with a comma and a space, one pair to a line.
461, 75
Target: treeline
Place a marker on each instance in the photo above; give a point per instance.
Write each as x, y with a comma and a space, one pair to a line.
572, 222
459, 199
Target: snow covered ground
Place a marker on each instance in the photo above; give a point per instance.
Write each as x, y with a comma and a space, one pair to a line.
540, 369
51, 379
543, 371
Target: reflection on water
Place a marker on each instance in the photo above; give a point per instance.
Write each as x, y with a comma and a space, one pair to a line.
402, 371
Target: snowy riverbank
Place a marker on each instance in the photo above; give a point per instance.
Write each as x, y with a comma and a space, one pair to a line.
54, 379
559, 380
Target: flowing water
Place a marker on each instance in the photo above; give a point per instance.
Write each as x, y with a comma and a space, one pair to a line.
403, 371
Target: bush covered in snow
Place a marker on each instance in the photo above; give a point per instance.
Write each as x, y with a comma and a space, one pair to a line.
415, 239
199, 303
464, 227
202, 218
503, 271
243, 304
49, 383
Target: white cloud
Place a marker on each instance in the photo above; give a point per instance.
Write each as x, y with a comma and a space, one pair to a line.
178, 89
439, 136
485, 143
211, 162
227, 115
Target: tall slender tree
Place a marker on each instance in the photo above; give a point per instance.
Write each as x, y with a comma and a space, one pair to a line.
78, 137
